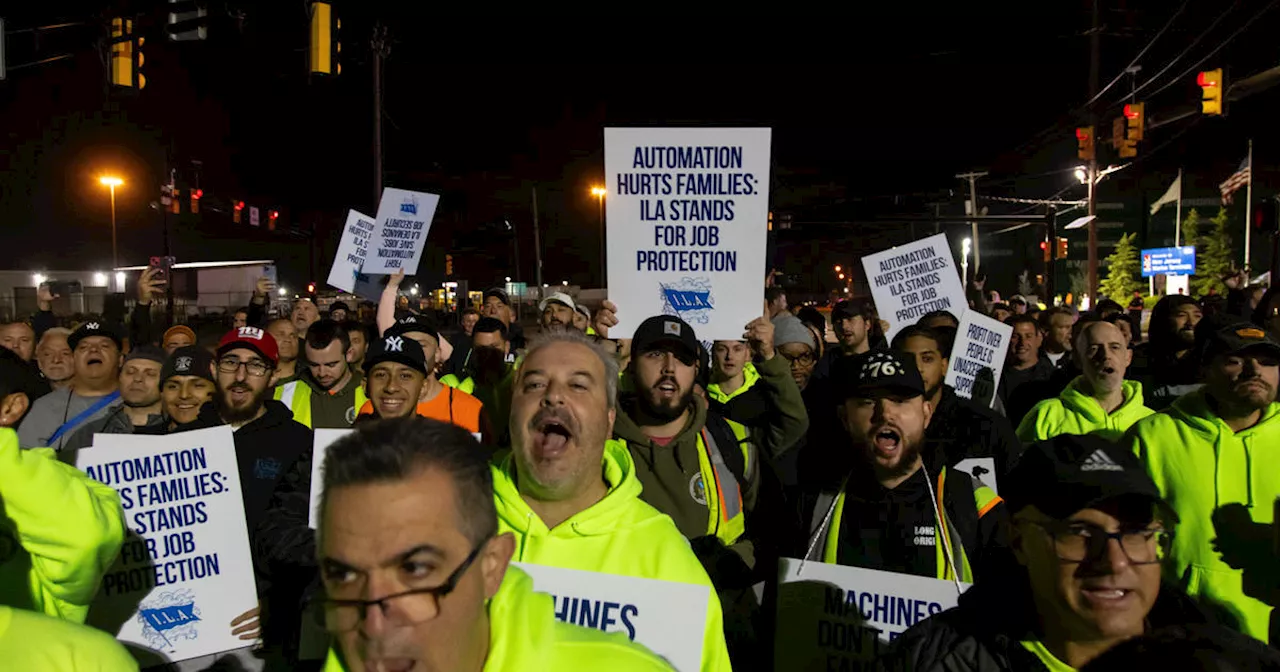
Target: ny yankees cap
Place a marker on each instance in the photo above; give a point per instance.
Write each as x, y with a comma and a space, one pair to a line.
396, 348
253, 338
1071, 472
879, 373
93, 328
666, 330
189, 360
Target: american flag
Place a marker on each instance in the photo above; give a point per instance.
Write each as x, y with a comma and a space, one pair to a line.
1238, 179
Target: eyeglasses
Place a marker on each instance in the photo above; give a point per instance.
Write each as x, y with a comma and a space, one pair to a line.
255, 367
1080, 542
408, 608
799, 360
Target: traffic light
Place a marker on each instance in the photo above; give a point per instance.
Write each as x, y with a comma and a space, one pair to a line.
272, 216
126, 55
1136, 115
236, 210
188, 20
1211, 84
196, 195
325, 45
311, 288
1084, 138
1062, 248
448, 264
770, 220
1044, 247
177, 204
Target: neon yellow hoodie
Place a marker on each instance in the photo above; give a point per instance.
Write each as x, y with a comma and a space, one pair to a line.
1202, 467
31, 641
1074, 412
750, 376
620, 535
67, 526
525, 635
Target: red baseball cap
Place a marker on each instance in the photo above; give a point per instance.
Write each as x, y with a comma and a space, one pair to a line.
253, 338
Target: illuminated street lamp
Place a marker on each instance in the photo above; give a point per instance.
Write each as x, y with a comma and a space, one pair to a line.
599, 193
111, 182
964, 260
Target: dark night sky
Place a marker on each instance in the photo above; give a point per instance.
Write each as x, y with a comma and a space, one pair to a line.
482, 108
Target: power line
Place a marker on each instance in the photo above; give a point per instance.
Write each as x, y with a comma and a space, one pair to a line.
1137, 58
1191, 46
1271, 5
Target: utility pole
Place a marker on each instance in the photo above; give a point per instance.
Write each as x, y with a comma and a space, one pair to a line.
1248, 206
380, 48
537, 244
1051, 241
1095, 45
973, 223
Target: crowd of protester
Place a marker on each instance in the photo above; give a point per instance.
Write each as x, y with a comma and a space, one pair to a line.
1129, 515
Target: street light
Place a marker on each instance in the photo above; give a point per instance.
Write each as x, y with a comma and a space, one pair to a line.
111, 182
282, 292
838, 269
1082, 175
599, 193
964, 260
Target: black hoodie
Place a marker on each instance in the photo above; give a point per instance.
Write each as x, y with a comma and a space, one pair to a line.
266, 449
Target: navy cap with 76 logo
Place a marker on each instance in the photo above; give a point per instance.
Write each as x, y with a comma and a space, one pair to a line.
879, 373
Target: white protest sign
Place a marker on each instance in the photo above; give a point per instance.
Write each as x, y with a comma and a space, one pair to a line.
977, 356
319, 446
913, 279
670, 618
980, 469
834, 617
253, 215
400, 232
352, 246
688, 215
184, 571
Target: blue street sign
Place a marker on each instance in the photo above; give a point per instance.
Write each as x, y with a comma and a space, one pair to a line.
1169, 261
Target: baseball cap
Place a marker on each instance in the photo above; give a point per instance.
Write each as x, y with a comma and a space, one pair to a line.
855, 307
338, 305
412, 322
189, 360
1071, 472
1217, 336
559, 297
178, 329
93, 328
396, 348
667, 330
583, 310
253, 338
877, 374
148, 352
500, 293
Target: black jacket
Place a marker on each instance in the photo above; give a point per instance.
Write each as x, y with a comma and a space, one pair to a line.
1020, 390
984, 632
961, 429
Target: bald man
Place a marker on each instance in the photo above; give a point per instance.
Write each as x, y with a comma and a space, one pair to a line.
1099, 401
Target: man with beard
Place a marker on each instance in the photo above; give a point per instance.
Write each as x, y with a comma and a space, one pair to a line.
339, 311
328, 393
1166, 364
885, 515
853, 321
557, 312
1025, 366
287, 338
53, 354
138, 410
54, 417
492, 373
958, 429
1209, 454
304, 314
1099, 401
570, 496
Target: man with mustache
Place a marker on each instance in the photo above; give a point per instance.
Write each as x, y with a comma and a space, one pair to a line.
885, 514
1167, 364
1211, 455
1089, 529
1099, 401
53, 418
557, 312
571, 497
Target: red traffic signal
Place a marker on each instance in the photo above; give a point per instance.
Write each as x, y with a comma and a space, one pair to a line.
272, 216
311, 288
1132, 111
1084, 136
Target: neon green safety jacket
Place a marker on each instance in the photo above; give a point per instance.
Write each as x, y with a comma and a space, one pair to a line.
1204, 469
1074, 412
525, 635
61, 530
620, 535
31, 641
296, 395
